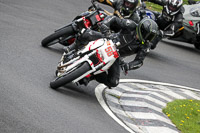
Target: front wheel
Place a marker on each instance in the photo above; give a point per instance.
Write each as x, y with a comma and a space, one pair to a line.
60, 81
58, 37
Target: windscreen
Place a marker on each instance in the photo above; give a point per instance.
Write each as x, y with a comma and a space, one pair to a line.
195, 12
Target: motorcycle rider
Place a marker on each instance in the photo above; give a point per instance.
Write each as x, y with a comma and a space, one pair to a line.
123, 8
134, 39
170, 20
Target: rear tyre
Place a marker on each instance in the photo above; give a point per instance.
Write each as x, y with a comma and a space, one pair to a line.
55, 37
58, 82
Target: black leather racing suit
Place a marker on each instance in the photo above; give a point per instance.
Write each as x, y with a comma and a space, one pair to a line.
129, 42
167, 24
129, 45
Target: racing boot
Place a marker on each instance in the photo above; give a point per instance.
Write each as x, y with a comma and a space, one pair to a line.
69, 48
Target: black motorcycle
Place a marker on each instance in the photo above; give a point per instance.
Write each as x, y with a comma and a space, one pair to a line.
190, 32
67, 34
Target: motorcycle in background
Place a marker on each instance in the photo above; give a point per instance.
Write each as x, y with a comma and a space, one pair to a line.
67, 34
190, 32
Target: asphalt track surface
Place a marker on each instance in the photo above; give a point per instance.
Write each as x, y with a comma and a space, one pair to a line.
28, 105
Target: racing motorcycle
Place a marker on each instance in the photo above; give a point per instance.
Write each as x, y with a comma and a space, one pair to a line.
190, 32
96, 57
67, 34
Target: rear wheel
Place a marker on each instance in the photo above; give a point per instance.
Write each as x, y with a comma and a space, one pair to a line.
60, 81
58, 37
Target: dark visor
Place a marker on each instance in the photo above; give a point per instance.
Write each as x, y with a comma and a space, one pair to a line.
172, 8
129, 5
149, 36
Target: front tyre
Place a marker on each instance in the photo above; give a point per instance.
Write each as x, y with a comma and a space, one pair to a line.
60, 81
197, 45
58, 36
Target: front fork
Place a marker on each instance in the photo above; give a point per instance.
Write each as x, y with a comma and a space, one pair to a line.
65, 67
198, 28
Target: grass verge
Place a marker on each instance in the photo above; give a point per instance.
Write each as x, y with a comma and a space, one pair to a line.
156, 7
185, 114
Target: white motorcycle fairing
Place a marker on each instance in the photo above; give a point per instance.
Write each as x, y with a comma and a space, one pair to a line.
101, 55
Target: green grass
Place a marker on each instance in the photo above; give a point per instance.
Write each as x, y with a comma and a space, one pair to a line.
185, 114
156, 7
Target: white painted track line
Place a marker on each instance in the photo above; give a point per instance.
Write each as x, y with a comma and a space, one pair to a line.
157, 83
147, 98
139, 104
98, 92
158, 130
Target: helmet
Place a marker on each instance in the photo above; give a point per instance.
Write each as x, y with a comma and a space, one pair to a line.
173, 6
128, 7
147, 30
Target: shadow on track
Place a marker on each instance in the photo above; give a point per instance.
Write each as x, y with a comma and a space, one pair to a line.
56, 49
182, 46
169, 61
72, 89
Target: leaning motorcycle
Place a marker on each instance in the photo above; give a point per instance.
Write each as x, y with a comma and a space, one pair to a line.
67, 34
190, 32
96, 57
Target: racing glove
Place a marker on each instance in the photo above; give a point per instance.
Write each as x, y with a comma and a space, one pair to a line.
135, 64
131, 66
104, 29
161, 33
